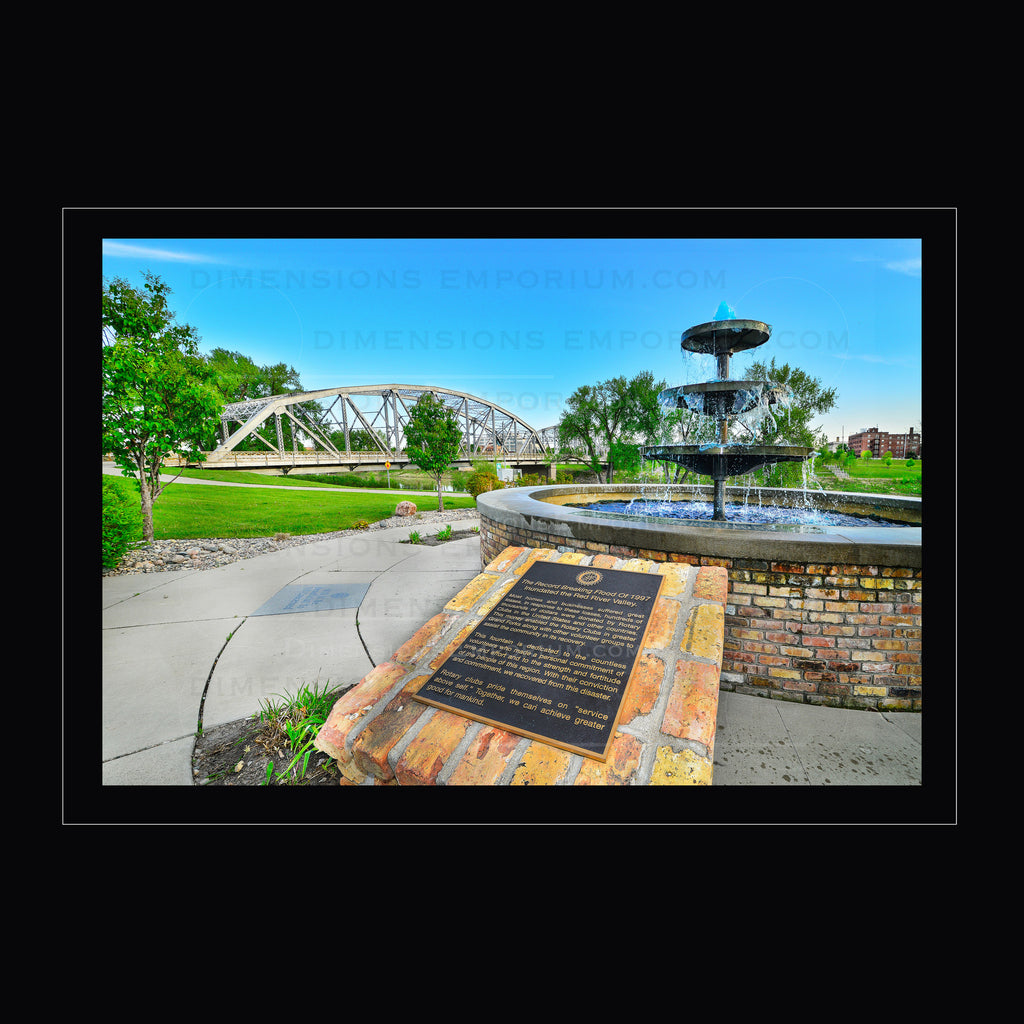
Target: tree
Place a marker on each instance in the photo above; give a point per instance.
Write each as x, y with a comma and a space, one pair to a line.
236, 375
432, 439
602, 418
808, 397
790, 424
159, 397
239, 379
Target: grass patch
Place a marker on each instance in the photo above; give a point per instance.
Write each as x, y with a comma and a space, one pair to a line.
399, 479
873, 476
186, 511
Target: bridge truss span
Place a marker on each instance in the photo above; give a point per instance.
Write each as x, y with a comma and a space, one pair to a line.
365, 424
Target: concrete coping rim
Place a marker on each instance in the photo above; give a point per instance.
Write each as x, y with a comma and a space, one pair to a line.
539, 509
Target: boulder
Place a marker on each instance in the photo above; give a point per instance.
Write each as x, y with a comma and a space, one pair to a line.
405, 508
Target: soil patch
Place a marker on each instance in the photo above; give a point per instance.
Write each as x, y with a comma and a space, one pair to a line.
237, 754
434, 541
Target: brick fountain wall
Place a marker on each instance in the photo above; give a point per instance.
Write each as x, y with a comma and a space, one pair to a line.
819, 631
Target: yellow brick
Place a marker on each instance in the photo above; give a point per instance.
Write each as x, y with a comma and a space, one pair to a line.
471, 593
704, 631
504, 560
676, 577
636, 565
496, 595
542, 766
535, 555
451, 646
682, 768
571, 557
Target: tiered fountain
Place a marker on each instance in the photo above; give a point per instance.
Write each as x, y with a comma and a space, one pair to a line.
725, 401
831, 567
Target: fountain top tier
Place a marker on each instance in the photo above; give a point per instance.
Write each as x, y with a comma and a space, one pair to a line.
724, 337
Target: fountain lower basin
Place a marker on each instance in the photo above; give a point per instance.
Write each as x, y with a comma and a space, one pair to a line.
816, 614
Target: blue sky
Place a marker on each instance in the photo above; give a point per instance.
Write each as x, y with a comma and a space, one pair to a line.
523, 322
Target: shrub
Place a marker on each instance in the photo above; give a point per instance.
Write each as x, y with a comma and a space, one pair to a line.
480, 480
122, 520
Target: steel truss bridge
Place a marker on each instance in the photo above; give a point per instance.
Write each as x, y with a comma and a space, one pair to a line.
375, 417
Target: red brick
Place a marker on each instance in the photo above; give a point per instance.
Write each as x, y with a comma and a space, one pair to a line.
662, 626
485, 759
424, 638
621, 767
346, 714
644, 688
430, 749
711, 584
692, 711
371, 747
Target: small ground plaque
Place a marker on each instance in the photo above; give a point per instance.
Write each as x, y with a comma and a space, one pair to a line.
553, 659
297, 597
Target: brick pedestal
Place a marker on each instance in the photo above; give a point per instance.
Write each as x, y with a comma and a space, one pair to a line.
379, 735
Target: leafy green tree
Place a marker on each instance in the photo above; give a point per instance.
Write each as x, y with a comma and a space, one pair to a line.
359, 441
236, 375
808, 398
601, 418
793, 423
238, 379
432, 439
159, 395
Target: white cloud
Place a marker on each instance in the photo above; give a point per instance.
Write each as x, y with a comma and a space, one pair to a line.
137, 251
911, 267
868, 357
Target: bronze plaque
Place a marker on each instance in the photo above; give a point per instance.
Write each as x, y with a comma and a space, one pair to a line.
553, 659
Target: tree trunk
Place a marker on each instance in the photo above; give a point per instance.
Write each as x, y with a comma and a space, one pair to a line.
440, 496
147, 506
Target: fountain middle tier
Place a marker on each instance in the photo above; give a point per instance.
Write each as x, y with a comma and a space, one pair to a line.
724, 399
720, 461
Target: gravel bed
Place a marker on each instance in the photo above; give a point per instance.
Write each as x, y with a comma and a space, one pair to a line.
209, 553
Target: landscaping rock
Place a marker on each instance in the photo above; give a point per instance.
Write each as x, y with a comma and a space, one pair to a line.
211, 553
405, 508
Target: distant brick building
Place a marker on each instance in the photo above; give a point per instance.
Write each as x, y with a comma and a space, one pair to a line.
878, 442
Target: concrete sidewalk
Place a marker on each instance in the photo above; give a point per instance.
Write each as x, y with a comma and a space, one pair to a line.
180, 645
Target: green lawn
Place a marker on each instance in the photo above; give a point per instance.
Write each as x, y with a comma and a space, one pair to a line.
184, 511
239, 476
872, 475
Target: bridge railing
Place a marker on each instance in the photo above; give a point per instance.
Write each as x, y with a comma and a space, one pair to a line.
245, 460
